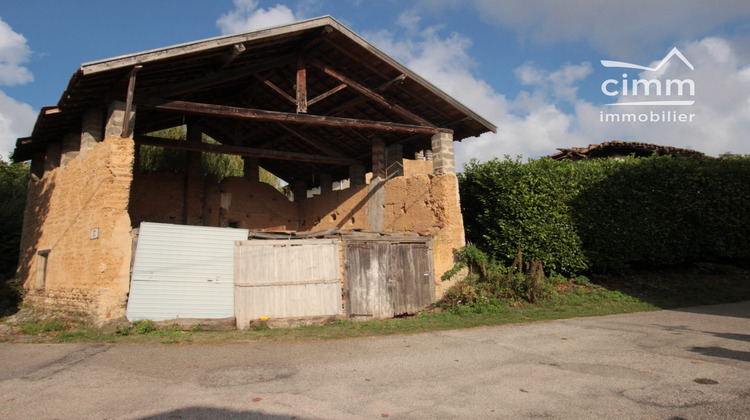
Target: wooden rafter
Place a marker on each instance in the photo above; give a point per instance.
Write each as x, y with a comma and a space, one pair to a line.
360, 99
243, 151
231, 55
129, 100
314, 142
275, 88
283, 117
326, 94
398, 109
211, 79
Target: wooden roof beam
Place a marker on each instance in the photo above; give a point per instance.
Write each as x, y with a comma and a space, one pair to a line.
243, 151
214, 78
224, 111
361, 99
398, 109
326, 94
275, 88
129, 100
316, 143
231, 55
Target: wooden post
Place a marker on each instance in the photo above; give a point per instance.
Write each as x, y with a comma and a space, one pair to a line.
129, 101
301, 86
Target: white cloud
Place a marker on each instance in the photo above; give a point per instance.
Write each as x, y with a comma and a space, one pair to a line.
530, 124
13, 53
246, 16
560, 83
16, 120
409, 20
722, 102
548, 113
621, 27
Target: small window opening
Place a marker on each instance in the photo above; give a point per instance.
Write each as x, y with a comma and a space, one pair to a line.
233, 224
41, 269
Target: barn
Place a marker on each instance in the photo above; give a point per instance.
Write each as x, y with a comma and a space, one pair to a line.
363, 144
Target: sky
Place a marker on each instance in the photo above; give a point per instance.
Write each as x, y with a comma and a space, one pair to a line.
533, 68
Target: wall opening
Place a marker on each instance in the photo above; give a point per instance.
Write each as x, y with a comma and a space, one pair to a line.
41, 269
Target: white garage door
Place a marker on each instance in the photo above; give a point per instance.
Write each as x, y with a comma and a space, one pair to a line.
183, 272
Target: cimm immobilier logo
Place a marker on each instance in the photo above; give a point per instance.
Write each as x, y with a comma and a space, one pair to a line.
654, 92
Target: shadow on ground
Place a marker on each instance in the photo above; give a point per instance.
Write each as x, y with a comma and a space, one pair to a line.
214, 413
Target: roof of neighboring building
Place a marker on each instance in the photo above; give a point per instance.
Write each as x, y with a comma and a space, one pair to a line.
620, 148
346, 78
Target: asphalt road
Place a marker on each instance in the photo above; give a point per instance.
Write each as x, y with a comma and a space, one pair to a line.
624, 366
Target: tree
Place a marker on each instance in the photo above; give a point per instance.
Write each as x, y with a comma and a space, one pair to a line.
154, 158
14, 179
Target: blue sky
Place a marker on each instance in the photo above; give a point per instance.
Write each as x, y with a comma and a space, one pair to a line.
532, 68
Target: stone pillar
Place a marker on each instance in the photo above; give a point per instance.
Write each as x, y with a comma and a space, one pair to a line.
52, 158
194, 193
357, 175
376, 188
326, 183
394, 156
299, 189
116, 118
70, 148
37, 166
442, 148
428, 155
91, 133
378, 159
419, 155
251, 168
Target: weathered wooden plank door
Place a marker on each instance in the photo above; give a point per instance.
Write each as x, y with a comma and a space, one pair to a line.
410, 274
366, 271
384, 279
286, 279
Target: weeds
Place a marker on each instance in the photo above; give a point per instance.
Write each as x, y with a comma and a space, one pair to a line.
490, 280
37, 327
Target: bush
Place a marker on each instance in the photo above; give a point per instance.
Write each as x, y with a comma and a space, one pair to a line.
492, 281
607, 215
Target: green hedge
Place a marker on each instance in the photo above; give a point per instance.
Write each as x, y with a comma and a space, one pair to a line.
606, 215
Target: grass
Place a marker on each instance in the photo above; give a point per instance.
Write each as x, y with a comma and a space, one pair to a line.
637, 291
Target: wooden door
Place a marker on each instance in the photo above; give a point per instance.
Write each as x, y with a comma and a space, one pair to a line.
410, 275
366, 282
286, 279
384, 279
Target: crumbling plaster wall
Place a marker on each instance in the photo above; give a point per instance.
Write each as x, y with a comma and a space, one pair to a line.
83, 275
418, 202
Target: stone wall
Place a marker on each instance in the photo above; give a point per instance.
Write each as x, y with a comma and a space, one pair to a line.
426, 204
97, 190
344, 209
83, 275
